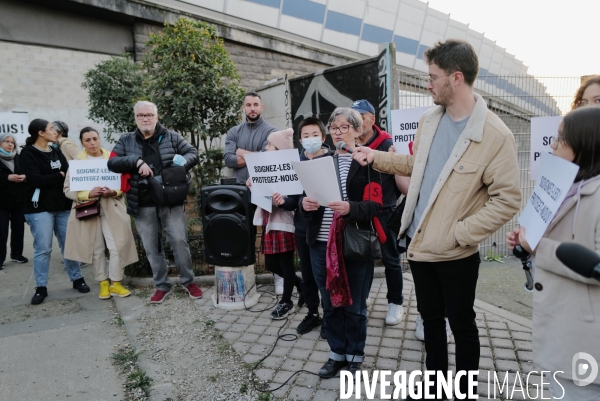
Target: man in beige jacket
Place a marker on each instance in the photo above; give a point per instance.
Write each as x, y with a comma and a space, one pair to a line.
464, 186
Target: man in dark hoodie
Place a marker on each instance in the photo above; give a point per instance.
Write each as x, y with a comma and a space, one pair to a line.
142, 154
373, 137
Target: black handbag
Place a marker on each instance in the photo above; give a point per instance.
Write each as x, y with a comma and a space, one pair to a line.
359, 244
171, 187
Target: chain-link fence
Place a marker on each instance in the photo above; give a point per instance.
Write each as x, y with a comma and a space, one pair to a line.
515, 99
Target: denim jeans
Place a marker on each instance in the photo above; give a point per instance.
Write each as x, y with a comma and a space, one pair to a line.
390, 257
448, 289
15, 216
346, 327
42, 225
172, 220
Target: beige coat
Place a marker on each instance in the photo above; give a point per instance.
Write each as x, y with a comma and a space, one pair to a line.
477, 192
69, 149
566, 308
81, 234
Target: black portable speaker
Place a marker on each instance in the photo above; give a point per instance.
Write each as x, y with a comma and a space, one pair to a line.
227, 225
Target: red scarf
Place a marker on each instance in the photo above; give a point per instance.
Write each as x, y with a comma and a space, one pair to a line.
337, 279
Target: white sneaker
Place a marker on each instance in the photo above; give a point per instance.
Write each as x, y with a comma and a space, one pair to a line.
420, 330
394, 315
278, 284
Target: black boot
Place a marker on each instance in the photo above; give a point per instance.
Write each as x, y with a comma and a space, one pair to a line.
40, 294
331, 368
80, 285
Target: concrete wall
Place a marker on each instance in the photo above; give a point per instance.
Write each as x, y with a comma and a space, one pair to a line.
46, 83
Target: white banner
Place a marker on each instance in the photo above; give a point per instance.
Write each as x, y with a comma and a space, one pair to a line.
404, 127
273, 172
16, 124
555, 177
542, 131
319, 179
87, 174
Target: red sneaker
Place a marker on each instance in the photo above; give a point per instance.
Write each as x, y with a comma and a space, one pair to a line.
194, 291
158, 297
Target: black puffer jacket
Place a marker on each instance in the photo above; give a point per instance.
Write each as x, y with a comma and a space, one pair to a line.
128, 151
12, 194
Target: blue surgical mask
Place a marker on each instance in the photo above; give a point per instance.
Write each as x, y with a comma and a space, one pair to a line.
4, 152
312, 144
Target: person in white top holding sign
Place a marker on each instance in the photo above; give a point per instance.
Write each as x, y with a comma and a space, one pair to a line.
86, 239
566, 306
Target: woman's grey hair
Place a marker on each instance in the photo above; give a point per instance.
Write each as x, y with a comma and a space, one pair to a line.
352, 116
142, 103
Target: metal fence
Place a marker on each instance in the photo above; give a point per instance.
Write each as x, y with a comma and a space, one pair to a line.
515, 99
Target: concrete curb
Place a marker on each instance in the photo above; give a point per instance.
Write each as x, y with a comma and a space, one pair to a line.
130, 309
209, 281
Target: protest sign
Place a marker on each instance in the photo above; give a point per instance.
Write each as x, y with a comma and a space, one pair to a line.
87, 174
16, 124
404, 127
542, 131
319, 179
263, 202
555, 177
273, 172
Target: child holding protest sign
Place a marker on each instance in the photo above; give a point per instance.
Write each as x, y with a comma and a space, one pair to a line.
278, 243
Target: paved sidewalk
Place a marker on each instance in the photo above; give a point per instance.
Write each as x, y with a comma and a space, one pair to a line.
505, 345
59, 350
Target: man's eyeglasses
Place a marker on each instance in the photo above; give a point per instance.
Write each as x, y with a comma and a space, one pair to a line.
343, 129
145, 116
433, 78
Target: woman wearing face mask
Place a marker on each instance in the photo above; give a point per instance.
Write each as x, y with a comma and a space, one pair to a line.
46, 207
87, 239
312, 137
566, 306
12, 187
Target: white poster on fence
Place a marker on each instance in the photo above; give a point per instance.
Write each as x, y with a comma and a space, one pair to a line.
404, 127
542, 131
87, 174
319, 179
273, 172
16, 124
555, 177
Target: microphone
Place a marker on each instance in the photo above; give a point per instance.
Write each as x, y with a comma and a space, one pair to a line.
342, 146
579, 259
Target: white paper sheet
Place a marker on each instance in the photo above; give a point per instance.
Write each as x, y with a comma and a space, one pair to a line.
87, 174
404, 127
264, 202
319, 179
273, 172
542, 131
555, 178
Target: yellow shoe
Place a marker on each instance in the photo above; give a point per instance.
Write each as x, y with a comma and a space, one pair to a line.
118, 290
104, 291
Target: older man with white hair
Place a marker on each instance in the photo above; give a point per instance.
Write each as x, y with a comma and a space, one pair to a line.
142, 154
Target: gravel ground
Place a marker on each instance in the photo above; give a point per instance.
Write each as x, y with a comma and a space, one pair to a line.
181, 341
